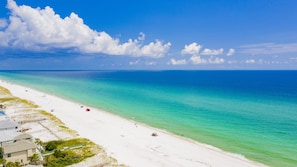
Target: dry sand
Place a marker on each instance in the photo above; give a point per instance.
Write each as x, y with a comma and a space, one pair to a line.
130, 142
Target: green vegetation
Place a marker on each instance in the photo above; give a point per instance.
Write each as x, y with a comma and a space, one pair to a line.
67, 130
37, 141
2, 160
58, 121
26, 103
15, 100
7, 99
69, 152
13, 164
53, 145
50, 116
4, 91
1, 152
34, 158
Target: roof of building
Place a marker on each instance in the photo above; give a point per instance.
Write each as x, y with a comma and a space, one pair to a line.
23, 136
18, 146
8, 135
6, 124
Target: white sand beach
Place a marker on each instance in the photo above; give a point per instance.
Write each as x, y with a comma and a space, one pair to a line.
130, 142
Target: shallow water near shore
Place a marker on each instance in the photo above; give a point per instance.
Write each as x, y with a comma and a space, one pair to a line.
251, 113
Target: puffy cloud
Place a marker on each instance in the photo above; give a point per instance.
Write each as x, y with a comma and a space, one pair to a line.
3, 23
194, 50
198, 60
36, 29
269, 48
230, 52
191, 49
212, 60
177, 62
216, 60
212, 52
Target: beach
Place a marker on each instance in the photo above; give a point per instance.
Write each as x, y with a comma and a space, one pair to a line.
128, 141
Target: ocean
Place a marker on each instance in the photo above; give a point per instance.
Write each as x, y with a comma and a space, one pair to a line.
249, 113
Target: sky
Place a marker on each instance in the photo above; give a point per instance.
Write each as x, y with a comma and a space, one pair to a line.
148, 35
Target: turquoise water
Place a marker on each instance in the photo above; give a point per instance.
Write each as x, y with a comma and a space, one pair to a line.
251, 113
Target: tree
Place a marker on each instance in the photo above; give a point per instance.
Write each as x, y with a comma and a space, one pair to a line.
38, 142
34, 158
13, 164
1, 152
59, 154
2, 161
52, 145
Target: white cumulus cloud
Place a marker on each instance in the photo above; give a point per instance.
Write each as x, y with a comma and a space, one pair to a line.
230, 52
37, 29
198, 60
177, 62
212, 52
194, 50
212, 60
216, 60
191, 49
3, 23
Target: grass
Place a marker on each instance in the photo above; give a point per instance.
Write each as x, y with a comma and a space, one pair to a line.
50, 116
7, 99
4, 91
26, 103
62, 127
69, 156
67, 130
12, 100
15, 100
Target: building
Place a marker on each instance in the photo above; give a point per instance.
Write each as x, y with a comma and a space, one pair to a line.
24, 136
16, 146
19, 151
8, 136
8, 131
8, 125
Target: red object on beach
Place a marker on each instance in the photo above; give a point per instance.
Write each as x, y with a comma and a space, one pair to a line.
87, 109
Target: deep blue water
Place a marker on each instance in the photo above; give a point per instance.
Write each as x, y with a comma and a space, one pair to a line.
251, 113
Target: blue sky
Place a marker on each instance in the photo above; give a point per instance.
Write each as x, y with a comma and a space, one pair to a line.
151, 34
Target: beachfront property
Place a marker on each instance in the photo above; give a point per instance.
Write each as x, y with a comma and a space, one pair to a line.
19, 151
8, 136
16, 146
8, 125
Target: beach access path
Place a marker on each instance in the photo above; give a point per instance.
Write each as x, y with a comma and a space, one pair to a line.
130, 142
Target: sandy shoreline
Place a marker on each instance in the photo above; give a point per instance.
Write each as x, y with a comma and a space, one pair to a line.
131, 143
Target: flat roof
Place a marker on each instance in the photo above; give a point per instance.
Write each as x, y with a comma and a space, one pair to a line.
8, 124
8, 135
